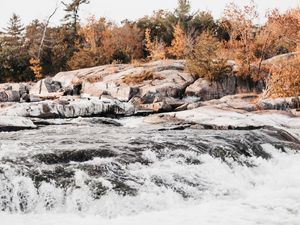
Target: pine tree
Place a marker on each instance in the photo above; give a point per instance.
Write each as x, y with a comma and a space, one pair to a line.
14, 57
182, 13
14, 30
72, 16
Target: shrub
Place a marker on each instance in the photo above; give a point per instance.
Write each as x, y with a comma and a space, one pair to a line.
284, 80
156, 49
206, 59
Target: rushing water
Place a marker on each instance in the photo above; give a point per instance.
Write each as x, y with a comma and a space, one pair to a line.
83, 171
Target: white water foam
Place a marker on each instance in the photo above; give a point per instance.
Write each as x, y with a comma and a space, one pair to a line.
267, 194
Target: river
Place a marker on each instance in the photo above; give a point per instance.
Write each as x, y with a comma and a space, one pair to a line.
101, 171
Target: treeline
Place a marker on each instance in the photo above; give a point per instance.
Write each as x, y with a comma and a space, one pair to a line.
28, 53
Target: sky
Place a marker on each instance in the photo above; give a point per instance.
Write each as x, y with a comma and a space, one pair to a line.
118, 10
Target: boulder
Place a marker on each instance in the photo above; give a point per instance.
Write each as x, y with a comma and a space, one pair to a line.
280, 58
279, 103
230, 85
46, 89
148, 81
14, 92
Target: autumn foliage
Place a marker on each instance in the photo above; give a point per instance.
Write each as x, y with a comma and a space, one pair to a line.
206, 60
284, 80
178, 47
155, 48
36, 68
208, 44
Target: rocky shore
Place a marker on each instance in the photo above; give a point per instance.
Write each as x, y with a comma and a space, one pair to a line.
156, 87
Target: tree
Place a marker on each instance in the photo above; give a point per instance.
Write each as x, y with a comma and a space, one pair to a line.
161, 25
14, 57
72, 16
206, 60
125, 43
240, 26
36, 68
178, 47
203, 21
15, 27
105, 42
279, 35
71, 37
182, 12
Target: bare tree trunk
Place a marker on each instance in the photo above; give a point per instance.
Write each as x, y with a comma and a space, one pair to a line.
42, 41
44, 32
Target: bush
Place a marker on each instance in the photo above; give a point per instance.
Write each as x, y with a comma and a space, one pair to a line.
284, 80
206, 60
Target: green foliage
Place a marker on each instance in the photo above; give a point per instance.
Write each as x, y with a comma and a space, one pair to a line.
14, 57
72, 10
15, 27
182, 13
206, 60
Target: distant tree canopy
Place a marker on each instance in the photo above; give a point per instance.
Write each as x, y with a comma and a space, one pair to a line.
29, 52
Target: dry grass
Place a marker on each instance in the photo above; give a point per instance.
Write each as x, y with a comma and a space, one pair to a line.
140, 78
94, 78
137, 62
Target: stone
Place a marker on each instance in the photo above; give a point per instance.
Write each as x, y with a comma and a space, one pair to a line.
47, 89
193, 105
156, 107
277, 104
170, 80
15, 123
208, 90
3, 96
70, 109
162, 118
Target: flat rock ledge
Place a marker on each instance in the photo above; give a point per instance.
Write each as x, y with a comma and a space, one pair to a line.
69, 109
15, 123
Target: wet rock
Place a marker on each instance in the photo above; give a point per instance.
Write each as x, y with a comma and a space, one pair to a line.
15, 123
73, 156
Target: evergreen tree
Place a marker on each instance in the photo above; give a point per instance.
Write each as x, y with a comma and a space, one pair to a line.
183, 13
72, 16
14, 57
14, 30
